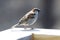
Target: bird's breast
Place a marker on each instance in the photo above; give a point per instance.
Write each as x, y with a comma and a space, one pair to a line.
33, 20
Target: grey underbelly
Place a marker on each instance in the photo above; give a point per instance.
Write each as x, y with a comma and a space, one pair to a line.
32, 21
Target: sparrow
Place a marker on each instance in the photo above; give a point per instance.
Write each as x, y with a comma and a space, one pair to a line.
28, 19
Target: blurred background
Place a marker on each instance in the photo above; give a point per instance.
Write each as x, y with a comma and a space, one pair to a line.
12, 10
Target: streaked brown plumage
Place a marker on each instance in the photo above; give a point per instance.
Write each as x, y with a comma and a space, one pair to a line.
28, 19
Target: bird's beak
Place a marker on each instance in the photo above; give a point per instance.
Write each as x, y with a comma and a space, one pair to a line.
38, 10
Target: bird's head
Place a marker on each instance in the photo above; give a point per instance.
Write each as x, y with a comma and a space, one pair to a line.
36, 9
33, 12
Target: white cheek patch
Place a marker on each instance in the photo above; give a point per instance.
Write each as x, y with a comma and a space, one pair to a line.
32, 21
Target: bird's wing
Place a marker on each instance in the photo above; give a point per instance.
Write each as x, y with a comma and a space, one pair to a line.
23, 20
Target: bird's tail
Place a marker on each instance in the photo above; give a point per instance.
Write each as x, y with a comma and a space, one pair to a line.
15, 25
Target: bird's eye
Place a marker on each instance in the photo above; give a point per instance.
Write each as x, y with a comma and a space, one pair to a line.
36, 10
34, 14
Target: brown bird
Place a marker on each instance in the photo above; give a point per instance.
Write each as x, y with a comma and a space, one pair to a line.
28, 19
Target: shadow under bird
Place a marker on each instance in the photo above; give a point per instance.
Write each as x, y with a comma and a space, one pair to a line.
28, 19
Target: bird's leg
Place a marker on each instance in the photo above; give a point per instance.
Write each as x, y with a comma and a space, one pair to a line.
32, 28
25, 28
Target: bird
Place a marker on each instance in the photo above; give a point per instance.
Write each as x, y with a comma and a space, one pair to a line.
28, 19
